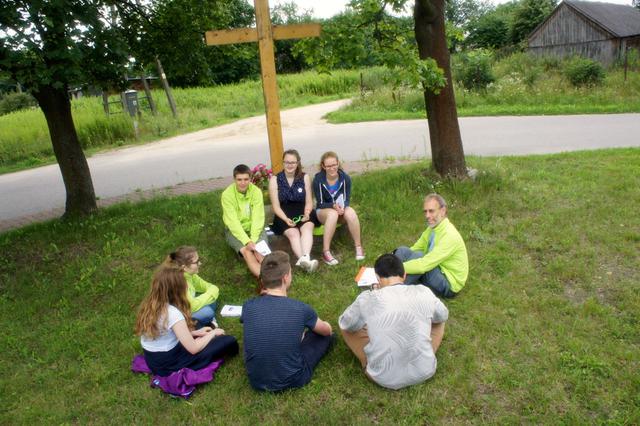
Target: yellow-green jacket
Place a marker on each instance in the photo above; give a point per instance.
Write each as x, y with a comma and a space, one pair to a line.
195, 284
449, 252
243, 214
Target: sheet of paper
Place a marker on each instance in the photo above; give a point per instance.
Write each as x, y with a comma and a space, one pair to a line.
231, 311
366, 277
340, 200
263, 247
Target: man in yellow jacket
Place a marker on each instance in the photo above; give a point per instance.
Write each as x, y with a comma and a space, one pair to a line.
243, 217
438, 260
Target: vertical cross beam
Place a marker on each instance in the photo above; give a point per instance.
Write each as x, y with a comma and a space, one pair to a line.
269, 83
265, 34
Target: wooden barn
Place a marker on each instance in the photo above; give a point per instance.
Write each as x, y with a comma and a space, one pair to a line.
600, 31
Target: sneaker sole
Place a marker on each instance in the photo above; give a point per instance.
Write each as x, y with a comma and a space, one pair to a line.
313, 265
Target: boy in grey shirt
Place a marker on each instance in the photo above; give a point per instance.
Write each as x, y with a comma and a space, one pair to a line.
396, 329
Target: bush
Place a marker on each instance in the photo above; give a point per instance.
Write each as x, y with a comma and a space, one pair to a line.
474, 70
584, 72
550, 63
16, 101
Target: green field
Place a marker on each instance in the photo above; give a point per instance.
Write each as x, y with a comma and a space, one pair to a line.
23, 146
546, 330
522, 87
549, 94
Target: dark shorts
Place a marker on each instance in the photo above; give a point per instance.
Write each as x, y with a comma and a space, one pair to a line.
165, 363
279, 225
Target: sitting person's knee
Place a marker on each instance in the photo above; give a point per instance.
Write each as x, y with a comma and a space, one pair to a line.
331, 215
350, 214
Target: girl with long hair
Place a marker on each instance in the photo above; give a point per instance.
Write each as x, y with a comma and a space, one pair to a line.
166, 331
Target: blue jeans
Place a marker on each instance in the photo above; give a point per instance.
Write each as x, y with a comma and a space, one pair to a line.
204, 315
433, 279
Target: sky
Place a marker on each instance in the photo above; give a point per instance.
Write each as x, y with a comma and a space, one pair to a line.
328, 8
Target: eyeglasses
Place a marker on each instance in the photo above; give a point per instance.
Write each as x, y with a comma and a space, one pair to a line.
197, 262
330, 166
290, 163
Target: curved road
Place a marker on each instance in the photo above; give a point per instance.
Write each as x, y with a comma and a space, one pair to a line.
214, 152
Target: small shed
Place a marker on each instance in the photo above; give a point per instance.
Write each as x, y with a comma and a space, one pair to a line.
600, 31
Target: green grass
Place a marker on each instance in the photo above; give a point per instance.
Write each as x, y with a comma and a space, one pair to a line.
23, 146
549, 94
523, 87
546, 330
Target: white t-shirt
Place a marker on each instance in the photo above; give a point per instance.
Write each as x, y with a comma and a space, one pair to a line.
167, 339
398, 320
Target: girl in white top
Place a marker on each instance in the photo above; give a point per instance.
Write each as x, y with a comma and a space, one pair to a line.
166, 331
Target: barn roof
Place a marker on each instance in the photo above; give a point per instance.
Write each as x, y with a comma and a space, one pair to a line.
617, 19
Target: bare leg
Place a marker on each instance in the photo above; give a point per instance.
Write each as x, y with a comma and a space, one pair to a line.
251, 261
329, 218
306, 237
294, 239
353, 223
437, 332
356, 341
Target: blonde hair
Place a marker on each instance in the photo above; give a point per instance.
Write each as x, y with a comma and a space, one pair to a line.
329, 154
168, 287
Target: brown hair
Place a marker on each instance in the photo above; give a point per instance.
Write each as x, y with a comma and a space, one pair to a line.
242, 169
181, 258
298, 172
168, 287
329, 154
274, 267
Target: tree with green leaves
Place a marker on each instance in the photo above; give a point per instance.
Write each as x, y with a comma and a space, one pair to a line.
415, 50
527, 16
172, 30
444, 131
461, 12
346, 43
49, 46
417, 58
491, 30
288, 58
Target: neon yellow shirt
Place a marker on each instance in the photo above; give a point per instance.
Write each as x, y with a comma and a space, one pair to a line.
243, 214
449, 252
195, 284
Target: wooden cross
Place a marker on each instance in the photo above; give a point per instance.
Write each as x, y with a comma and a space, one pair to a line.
265, 34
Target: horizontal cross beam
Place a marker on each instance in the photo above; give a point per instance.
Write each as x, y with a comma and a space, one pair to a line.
247, 35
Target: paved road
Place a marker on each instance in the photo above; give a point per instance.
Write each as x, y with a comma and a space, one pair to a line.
213, 152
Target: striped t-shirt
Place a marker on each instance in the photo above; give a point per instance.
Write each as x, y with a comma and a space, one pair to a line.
273, 329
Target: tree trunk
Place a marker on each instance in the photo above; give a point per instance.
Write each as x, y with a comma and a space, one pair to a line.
444, 131
55, 104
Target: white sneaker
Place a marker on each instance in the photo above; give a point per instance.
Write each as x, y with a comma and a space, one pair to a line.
313, 265
303, 261
306, 263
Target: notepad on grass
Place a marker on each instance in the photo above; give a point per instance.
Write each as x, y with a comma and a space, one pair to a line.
231, 311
